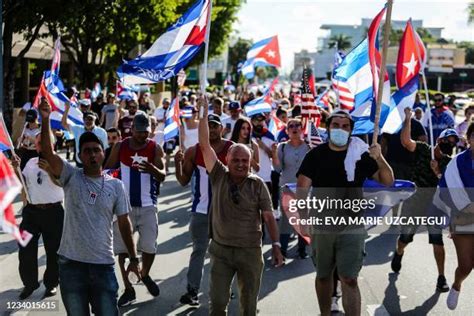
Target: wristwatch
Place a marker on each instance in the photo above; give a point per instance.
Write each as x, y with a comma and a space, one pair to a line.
276, 243
134, 260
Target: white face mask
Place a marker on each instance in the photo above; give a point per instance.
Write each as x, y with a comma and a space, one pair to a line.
339, 137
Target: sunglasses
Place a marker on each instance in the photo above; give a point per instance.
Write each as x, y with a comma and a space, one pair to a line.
438, 100
39, 180
294, 125
234, 193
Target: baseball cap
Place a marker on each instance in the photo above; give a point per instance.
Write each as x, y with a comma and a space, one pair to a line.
110, 95
31, 115
234, 105
141, 123
341, 113
88, 137
448, 132
84, 102
89, 114
213, 118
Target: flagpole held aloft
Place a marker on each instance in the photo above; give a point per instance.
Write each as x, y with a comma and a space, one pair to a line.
203, 82
382, 71
427, 95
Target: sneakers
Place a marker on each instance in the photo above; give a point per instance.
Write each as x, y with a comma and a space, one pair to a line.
128, 297
335, 304
190, 298
442, 285
397, 262
50, 291
452, 300
151, 286
302, 254
27, 291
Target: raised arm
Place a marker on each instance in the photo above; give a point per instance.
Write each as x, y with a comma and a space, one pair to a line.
209, 155
385, 173
405, 136
55, 162
64, 122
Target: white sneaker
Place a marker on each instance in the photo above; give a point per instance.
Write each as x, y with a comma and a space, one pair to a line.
452, 300
335, 304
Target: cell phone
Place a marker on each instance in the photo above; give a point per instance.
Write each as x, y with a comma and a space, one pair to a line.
228, 126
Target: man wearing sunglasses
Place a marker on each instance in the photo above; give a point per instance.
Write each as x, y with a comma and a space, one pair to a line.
441, 116
239, 202
42, 216
425, 173
89, 118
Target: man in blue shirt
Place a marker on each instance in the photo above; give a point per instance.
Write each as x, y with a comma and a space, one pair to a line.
441, 116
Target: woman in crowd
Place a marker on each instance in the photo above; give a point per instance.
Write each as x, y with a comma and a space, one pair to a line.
242, 133
26, 143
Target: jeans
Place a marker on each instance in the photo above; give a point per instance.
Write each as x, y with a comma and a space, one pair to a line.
199, 230
47, 223
85, 283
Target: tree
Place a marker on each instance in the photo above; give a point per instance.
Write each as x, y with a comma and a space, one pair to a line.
343, 41
470, 10
469, 47
24, 17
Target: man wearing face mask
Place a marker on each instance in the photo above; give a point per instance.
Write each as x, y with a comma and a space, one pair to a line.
337, 170
425, 173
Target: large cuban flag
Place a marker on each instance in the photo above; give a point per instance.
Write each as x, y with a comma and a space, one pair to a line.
261, 104
411, 59
263, 53
357, 79
172, 51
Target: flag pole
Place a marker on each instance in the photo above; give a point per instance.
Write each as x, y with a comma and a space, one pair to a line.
206, 53
12, 147
337, 80
382, 71
427, 95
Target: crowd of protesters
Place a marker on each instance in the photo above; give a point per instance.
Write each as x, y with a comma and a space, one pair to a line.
87, 211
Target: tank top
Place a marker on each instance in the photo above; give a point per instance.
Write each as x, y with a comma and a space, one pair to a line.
191, 137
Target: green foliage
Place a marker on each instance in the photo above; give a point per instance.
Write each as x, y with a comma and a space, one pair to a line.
470, 12
343, 41
238, 52
469, 47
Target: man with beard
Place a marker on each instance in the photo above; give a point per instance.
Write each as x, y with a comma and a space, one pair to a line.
186, 165
141, 169
425, 173
77, 130
125, 123
441, 116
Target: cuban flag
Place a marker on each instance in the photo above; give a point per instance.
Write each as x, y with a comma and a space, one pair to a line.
96, 91
263, 53
261, 104
5, 140
356, 79
125, 92
172, 122
323, 99
411, 59
187, 112
455, 190
172, 51
10, 187
275, 125
52, 88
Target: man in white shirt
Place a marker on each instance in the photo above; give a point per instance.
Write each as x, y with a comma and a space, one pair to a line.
42, 217
229, 122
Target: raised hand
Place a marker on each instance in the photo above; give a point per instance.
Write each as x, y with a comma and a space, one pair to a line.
44, 108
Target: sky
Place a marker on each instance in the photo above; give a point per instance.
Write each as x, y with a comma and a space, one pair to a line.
297, 22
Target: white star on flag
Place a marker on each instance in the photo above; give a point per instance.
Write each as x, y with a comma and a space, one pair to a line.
411, 65
271, 53
138, 159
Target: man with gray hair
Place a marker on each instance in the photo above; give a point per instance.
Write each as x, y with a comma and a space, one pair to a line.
239, 202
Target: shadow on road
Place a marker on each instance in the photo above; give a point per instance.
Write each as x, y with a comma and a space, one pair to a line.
377, 250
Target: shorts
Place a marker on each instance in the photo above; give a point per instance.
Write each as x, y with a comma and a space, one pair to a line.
145, 221
342, 250
435, 235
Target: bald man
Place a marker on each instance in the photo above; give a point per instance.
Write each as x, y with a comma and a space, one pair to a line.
239, 202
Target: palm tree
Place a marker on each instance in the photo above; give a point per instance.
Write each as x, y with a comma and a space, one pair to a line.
470, 10
342, 41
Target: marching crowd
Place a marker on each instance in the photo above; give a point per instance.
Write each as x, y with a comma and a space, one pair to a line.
87, 211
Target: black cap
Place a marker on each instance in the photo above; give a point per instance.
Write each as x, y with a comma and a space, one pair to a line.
258, 116
141, 123
31, 115
234, 105
88, 137
213, 118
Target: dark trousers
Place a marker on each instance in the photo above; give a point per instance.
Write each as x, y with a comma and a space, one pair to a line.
47, 223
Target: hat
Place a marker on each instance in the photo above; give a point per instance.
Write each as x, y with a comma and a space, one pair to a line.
84, 102
258, 116
341, 113
31, 115
213, 118
89, 113
234, 105
88, 137
141, 123
110, 95
449, 132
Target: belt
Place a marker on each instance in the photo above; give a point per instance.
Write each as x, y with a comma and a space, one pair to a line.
47, 205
